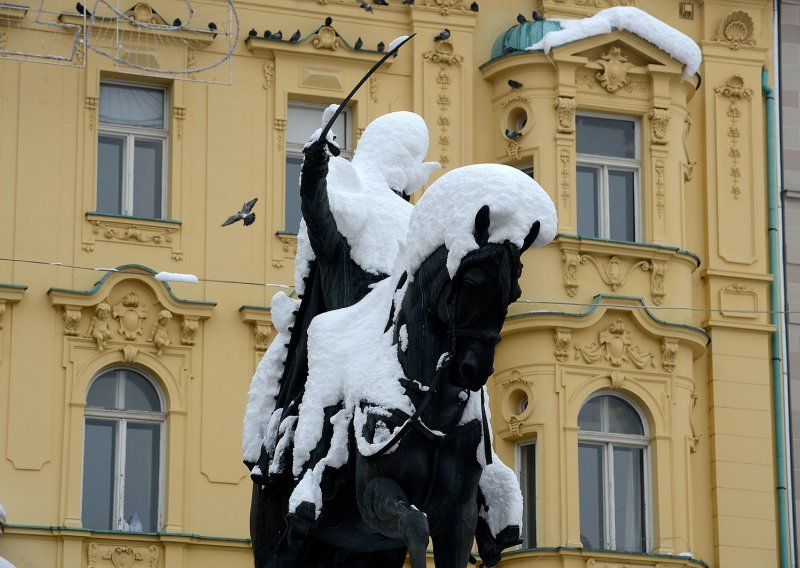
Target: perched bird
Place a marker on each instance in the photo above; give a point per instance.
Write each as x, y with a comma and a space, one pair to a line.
358, 44
409, 2
521, 19
177, 22
267, 34
295, 37
474, 7
252, 32
328, 21
277, 35
380, 2
245, 214
512, 134
81, 10
537, 17
381, 46
442, 35
508, 49
366, 6
212, 26
514, 84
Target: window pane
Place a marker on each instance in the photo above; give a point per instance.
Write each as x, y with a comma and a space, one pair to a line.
103, 392
528, 486
588, 181
590, 472
147, 177
110, 160
303, 120
622, 217
293, 214
622, 418
629, 499
589, 416
132, 106
140, 393
606, 136
141, 477
100, 439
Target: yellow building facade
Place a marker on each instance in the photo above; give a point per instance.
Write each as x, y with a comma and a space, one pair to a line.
632, 388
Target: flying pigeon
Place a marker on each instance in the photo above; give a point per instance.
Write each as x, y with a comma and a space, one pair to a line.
252, 32
381, 46
267, 34
510, 134
521, 19
442, 35
380, 2
277, 35
366, 6
537, 17
358, 44
81, 10
514, 84
177, 22
245, 214
328, 21
295, 37
474, 7
212, 26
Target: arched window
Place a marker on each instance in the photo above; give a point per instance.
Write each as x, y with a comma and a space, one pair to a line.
123, 453
613, 472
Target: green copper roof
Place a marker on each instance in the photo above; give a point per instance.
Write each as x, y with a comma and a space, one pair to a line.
521, 36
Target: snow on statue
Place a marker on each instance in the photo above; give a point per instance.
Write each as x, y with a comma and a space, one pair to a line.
367, 421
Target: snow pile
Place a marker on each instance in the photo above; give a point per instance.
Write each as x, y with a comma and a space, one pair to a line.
266, 382
633, 20
515, 202
175, 277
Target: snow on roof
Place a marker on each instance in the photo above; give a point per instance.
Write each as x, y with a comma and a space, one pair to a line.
636, 21
445, 214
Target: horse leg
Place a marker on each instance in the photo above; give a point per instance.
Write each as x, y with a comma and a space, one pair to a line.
452, 544
386, 508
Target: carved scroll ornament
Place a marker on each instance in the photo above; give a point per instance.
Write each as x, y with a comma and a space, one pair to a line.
615, 70
614, 345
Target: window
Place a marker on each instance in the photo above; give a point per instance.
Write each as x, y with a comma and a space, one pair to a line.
612, 463
526, 459
131, 151
303, 119
608, 177
122, 455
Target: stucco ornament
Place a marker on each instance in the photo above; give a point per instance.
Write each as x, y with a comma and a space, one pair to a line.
130, 313
446, 6
561, 339
565, 112
160, 334
615, 345
736, 29
189, 330
326, 38
72, 319
100, 328
615, 70
659, 121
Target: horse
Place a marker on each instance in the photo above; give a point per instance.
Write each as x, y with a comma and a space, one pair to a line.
404, 450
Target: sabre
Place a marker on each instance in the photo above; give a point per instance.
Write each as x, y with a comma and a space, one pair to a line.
363, 80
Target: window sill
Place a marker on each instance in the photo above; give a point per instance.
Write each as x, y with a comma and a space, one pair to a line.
566, 556
110, 228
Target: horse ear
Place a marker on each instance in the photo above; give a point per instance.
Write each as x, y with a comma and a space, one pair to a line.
532, 234
481, 233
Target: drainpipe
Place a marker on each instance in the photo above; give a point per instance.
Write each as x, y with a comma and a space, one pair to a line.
777, 377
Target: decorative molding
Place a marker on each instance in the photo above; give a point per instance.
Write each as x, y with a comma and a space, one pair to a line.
669, 354
160, 334
260, 320
561, 339
735, 91
100, 328
92, 104
373, 89
571, 260
130, 312
565, 157
688, 166
142, 12
286, 251
120, 556
565, 113
615, 67
111, 228
658, 269
2, 312
602, 3
515, 97
736, 29
738, 301
633, 87
660, 195
512, 150
179, 114
612, 273
326, 38
262, 331
659, 122
269, 74
445, 57
516, 377
617, 379
694, 437
72, 319
446, 6
615, 345
129, 353
280, 130
443, 54
189, 326
514, 426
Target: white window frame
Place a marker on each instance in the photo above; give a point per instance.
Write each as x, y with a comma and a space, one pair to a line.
608, 441
529, 510
122, 417
130, 133
604, 163
295, 149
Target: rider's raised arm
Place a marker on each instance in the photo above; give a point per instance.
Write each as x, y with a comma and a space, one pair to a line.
323, 233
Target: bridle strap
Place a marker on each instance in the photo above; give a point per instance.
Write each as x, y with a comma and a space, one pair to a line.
480, 334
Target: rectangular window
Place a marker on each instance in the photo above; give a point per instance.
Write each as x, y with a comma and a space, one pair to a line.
131, 151
303, 119
527, 482
608, 169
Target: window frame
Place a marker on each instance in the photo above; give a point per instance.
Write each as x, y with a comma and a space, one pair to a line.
527, 511
122, 417
604, 163
130, 133
608, 441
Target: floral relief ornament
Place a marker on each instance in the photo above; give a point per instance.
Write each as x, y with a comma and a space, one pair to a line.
615, 346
